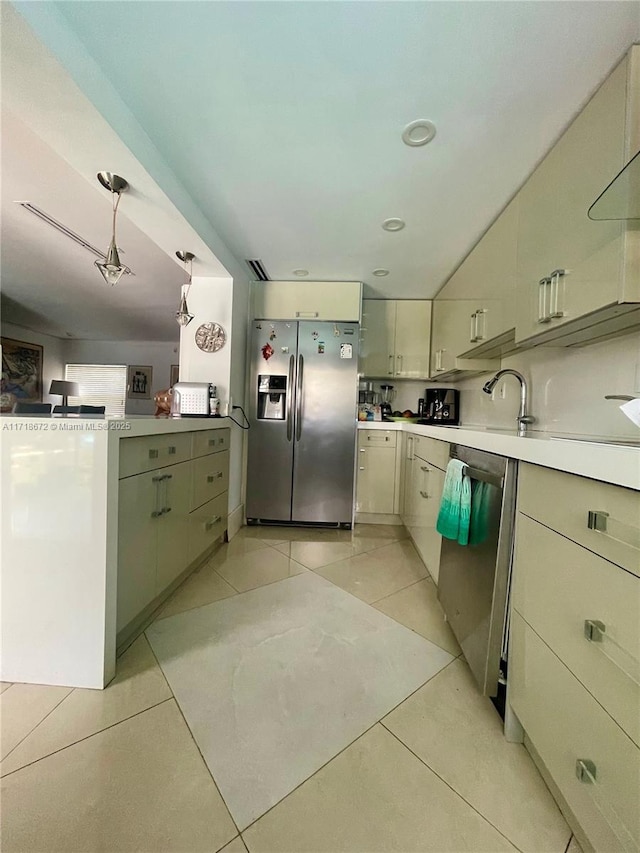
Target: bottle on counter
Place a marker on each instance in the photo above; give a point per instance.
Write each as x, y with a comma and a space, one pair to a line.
421, 407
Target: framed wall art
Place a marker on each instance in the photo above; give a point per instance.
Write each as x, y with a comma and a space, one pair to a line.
21, 373
139, 382
174, 375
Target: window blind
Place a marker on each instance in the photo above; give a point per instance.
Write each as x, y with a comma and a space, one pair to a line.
100, 385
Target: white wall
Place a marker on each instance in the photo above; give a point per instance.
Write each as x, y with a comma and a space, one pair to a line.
53, 360
567, 388
159, 354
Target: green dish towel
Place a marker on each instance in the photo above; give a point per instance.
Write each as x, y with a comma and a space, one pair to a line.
455, 508
481, 497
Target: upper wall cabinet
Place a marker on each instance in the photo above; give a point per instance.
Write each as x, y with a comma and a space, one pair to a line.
449, 337
579, 280
306, 300
395, 338
487, 278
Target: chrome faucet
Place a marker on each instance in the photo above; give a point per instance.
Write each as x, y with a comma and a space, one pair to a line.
523, 419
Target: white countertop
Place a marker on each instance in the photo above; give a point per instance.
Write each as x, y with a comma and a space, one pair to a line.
608, 463
129, 426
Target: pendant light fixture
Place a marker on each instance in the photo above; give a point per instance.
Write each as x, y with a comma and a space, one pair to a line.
111, 268
183, 316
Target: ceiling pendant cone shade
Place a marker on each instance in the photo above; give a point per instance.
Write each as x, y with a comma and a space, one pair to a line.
183, 316
111, 268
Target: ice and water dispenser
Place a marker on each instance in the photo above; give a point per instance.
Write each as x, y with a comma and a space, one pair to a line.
272, 397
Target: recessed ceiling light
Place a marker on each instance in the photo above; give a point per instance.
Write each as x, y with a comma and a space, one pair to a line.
418, 132
301, 273
381, 272
393, 224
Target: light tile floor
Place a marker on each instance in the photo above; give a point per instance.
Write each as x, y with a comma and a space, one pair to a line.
119, 769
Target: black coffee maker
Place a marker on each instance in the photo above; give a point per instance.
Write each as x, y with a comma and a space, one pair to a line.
442, 406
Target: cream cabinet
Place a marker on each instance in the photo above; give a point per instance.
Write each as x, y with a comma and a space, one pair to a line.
167, 517
425, 460
486, 280
578, 280
450, 332
307, 300
395, 338
376, 475
574, 650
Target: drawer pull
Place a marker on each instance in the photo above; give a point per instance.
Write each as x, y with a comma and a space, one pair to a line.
594, 630
212, 442
212, 477
153, 454
212, 522
172, 451
597, 520
586, 771
363, 450
423, 494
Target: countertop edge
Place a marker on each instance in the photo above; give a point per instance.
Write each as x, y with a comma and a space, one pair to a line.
617, 465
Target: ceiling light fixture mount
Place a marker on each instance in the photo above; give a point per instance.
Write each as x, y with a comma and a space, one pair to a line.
381, 272
183, 315
418, 132
393, 224
111, 268
301, 273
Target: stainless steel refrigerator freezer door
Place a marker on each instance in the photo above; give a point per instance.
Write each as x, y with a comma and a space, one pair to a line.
326, 412
270, 457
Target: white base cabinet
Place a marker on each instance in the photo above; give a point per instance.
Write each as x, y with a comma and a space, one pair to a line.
574, 651
169, 516
376, 482
425, 460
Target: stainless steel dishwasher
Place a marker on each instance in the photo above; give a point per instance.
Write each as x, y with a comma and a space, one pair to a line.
473, 585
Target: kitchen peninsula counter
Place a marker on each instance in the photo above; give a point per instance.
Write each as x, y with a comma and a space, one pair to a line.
616, 464
59, 549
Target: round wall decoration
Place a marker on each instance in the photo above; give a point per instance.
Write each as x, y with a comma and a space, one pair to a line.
210, 337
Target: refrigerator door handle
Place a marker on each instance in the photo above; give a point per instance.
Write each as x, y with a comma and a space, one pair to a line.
299, 388
289, 397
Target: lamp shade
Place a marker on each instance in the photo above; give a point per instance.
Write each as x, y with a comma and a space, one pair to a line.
64, 388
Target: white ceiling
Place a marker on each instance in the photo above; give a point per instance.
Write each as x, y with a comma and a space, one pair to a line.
283, 119
49, 283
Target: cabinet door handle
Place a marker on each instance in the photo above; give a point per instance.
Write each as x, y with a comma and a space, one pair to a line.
473, 337
361, 468
439, 366
480, 324
212, 477
425, 492
212, 442
543, 313
597, 520
212, 522
400, 361
157, 511
309, 315
153, 454
586, 771
554, 284
390, 371
172, 451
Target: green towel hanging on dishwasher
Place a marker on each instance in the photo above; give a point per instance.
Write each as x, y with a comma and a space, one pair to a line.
481, 497
455, 508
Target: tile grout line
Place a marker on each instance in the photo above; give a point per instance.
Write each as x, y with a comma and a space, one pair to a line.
566, 849
87, 737
333, 757
39, 723
180, 711
457, 793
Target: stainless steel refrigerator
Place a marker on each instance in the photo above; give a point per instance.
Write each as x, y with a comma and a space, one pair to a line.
302, 410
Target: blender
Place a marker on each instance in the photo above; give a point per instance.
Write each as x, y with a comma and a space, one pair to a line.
386, 396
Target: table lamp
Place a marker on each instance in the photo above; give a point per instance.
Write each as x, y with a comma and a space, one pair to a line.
66, 389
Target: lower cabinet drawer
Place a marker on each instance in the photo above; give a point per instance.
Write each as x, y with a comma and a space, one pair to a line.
210, 477
432, 450
587, 610
602, 517
376, 438
149, 452
591, 760
207, 523
210, 441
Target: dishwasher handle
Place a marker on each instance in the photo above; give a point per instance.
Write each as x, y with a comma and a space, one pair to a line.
483, 476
